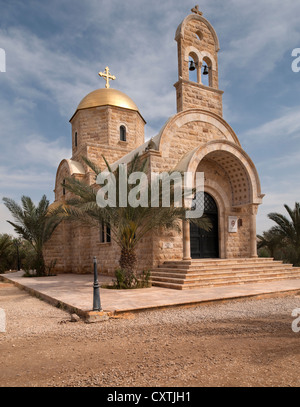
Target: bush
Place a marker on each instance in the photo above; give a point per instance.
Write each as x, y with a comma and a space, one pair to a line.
32, 263
128, 280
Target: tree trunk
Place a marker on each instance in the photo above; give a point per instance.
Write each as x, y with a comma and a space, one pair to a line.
128, 260
40, 265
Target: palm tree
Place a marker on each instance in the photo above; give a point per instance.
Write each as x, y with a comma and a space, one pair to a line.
288, 230
35, 224
5, 244
128, 225
271, 240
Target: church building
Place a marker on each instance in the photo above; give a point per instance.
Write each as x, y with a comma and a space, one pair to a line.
196, 139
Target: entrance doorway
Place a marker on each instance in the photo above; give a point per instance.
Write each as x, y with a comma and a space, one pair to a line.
205, 244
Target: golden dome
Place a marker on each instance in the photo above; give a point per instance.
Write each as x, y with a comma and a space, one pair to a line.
104, 97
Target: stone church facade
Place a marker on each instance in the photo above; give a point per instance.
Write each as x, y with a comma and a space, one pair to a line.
196, 139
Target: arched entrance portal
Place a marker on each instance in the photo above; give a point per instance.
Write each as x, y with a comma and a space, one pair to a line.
205, 244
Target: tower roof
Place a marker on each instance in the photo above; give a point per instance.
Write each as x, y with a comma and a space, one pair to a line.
110, 97
107, 97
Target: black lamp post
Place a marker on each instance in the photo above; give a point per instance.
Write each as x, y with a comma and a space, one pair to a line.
96, 296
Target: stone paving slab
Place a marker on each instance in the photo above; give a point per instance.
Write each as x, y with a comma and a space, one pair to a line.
75, 293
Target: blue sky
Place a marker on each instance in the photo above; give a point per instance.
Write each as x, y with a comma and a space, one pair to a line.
55, 49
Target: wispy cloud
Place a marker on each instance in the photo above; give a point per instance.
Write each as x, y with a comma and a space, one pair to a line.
5, 215
287, 124
264, 32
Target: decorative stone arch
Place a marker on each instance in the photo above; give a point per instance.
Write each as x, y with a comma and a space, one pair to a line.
180, 119
67, 168
240, 159
181, 29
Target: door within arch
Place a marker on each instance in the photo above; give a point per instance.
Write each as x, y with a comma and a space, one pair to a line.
205, 244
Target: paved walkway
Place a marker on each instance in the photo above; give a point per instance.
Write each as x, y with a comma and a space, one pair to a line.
75, 293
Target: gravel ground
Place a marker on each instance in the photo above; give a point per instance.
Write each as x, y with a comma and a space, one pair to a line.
237, 343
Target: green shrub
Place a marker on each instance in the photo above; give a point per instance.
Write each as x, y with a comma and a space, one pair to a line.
128, 280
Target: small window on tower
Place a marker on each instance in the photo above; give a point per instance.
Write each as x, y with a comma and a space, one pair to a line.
122, 133
64, 189
76, 139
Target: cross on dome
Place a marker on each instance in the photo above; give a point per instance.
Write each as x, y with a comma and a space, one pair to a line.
107, 76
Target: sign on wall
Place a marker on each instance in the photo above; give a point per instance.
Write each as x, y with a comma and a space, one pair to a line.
232, 224
167, 245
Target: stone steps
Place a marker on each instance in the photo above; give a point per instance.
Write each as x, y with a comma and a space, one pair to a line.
223, 269
206, 263
217, 272
200, 276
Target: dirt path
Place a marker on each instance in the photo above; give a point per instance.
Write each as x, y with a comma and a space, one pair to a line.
240, 343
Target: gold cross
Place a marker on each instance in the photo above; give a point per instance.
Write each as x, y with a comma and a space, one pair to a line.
107, 76
196, 10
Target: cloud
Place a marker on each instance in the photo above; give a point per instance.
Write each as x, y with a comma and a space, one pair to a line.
37, 70
279, 190
21, 180
257, 36
286, 125
5, 215
46, 153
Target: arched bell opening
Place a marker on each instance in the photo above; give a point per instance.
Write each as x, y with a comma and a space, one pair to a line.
194, 69
206, 72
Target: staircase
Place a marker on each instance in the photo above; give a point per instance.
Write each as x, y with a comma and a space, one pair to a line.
183, 275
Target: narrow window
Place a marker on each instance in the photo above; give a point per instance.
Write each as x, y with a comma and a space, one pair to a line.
102, 233
75, 139
64, 189
122, 133
105, 233
108, 239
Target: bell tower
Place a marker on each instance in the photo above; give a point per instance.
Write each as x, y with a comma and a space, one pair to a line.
198, 47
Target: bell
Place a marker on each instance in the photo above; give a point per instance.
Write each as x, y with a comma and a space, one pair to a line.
205, 70
192, 66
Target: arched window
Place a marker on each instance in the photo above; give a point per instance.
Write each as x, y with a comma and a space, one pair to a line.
76, 139
122, 133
